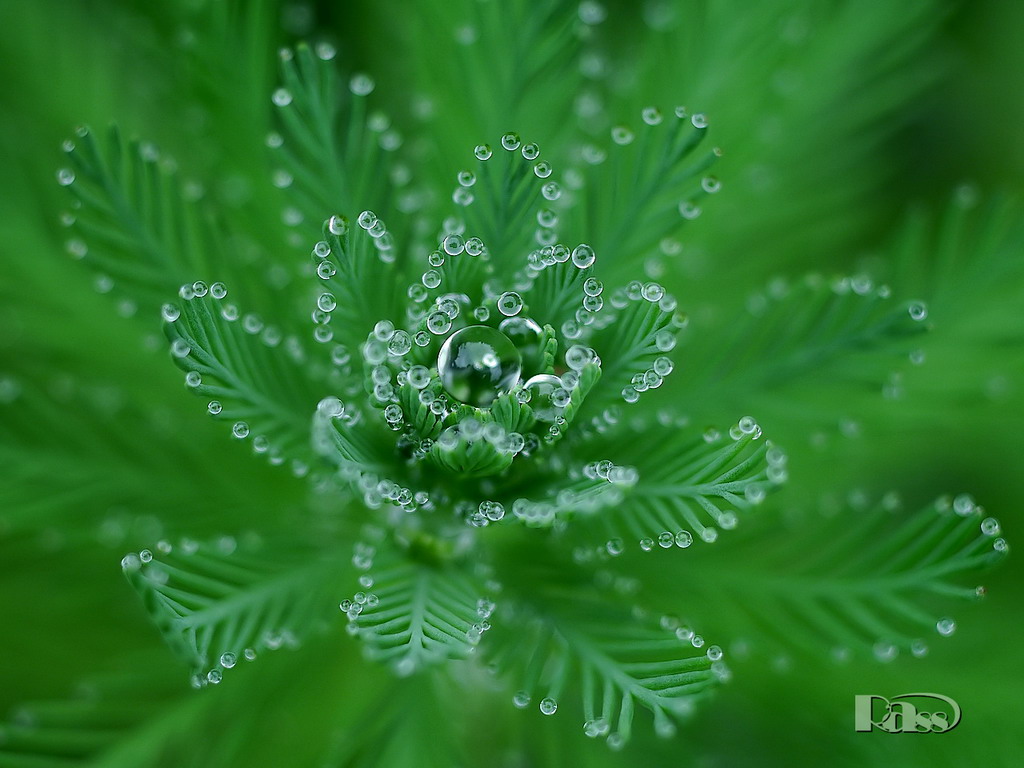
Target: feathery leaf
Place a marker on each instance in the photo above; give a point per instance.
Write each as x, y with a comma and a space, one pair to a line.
218, 604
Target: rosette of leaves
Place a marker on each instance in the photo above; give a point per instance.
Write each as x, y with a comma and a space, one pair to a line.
489, 435
480, 388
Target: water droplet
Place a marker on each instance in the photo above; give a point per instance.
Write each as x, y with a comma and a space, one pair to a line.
622, 135
945, 627
65, 177
482, 152
551, 191
240, 430
521, 699
478, 363
651, 116
170, 313
492, 510
548, 706
689, 210
510, 141
361, 84
591, 12
453, 245
326, 302
596, 728
228, 660
990, 526
510, 303
918, 310
282, 97
684, 539
400, 343
131, 562
337, 225
438, 323
710, 184
885, 651
964, 505
542, 388
583, 256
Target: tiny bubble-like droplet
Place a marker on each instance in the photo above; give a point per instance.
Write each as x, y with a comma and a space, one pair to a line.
548, 706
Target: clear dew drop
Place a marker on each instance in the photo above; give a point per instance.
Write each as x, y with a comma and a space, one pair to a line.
990, 526
510, 303
478, 363
918, 311
651, 116
521, 699
542, 388
548, 706
945, 627
595, 728
583, 256
453, 245
437, 323
361, 84
228, 660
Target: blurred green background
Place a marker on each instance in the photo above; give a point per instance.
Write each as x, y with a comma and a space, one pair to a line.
850, 154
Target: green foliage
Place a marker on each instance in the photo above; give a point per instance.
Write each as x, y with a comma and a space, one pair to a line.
690, 488
871, 586
616, 662
495, 465
132, 218
257, 378
418, 612
217, 606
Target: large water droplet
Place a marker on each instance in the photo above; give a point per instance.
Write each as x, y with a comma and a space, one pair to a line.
476, 364
542, 387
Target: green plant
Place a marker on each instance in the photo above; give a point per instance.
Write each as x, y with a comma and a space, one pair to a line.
499, 467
